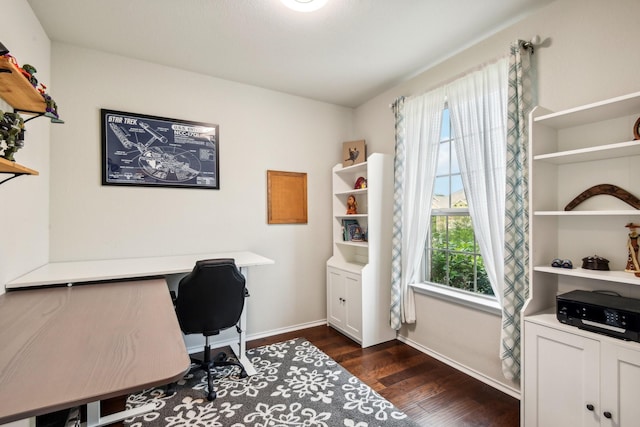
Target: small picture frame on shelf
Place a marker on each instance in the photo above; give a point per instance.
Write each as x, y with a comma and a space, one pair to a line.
355, 233
346, 225
353, 152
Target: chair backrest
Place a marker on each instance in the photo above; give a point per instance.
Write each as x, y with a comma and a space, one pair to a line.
211, 297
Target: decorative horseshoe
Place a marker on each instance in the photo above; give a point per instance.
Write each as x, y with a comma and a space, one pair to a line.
605, 189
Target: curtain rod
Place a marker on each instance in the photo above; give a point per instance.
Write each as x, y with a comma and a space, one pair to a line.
528, 45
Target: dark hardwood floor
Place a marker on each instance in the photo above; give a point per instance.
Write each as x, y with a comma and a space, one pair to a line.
429, 391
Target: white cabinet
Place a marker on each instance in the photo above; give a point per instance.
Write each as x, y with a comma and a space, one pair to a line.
359, 271
344, 299
579, 379
571, 151
620, 384
561, 376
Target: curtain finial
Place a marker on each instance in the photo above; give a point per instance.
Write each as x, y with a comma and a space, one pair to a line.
531, 44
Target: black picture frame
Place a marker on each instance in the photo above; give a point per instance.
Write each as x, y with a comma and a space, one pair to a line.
152, 151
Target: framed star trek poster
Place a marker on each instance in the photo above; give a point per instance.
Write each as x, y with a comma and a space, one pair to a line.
142, 150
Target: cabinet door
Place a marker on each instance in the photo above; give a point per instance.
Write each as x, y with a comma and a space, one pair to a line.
335, 297
353, 305
562, 373
620, 386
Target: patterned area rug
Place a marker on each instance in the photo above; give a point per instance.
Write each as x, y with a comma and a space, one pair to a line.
296, 385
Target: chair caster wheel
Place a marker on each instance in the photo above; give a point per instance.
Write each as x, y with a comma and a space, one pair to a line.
170, 389
211, 396
243, 374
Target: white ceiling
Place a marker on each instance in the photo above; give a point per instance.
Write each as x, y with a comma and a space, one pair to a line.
345, 53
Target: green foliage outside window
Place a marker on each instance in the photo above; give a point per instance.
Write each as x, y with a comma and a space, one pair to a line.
455, 260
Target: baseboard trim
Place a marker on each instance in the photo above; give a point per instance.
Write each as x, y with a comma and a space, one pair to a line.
511, 391
234, 341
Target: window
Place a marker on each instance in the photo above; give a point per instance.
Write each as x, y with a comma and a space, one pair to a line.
452, 257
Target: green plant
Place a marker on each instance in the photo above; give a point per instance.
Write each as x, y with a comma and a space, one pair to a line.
455, 259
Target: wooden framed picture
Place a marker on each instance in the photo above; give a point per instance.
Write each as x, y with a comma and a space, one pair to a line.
286, 197
353, 152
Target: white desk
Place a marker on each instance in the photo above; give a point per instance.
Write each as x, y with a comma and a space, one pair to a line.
70, 272
57, 273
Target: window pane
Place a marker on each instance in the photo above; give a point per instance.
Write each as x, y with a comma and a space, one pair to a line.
452, 256
443, 159
455, 168
445, 131
461, 237
441, 193
439, 232
458, 197
461, 271
483, 284
438, 267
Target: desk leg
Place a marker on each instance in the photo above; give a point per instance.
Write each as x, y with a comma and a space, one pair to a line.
241, 349
94, 419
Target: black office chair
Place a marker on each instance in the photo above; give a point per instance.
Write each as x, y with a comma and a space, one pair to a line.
210, 299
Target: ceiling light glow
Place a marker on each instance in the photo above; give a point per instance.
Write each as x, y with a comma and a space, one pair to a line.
304, 5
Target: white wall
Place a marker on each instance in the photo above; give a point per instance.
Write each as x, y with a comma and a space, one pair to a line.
259, 130
24, 201
592, 55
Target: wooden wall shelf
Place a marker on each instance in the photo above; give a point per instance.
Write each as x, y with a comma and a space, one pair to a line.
7, 166
17, 91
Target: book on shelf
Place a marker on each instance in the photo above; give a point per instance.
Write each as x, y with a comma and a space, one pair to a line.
346, 224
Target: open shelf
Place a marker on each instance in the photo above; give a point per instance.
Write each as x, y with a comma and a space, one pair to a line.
601, 152
351, 216
620, 212
607, 276
17, 91
595, 112
362, 244
360, 167
7, 166
349, 192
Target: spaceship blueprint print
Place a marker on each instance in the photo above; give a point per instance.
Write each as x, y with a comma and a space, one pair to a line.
157, 151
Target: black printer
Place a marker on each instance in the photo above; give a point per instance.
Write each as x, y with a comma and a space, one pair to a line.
600, 312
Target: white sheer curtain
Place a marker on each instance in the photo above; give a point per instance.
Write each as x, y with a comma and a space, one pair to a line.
415, 178
478, 108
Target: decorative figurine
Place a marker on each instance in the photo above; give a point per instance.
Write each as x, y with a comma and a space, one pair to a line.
595, 262
51, 110
11, 134
561, 263
632, 246
361, 182
352, 205
28, 71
